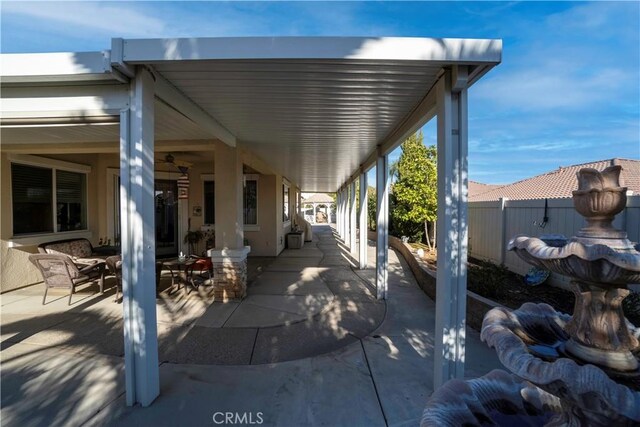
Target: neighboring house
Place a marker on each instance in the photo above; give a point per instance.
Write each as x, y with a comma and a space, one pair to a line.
541, 205
558, 183
476, 188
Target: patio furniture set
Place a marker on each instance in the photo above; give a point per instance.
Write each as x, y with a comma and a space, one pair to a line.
69, 263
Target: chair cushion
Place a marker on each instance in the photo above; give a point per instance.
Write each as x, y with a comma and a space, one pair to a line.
80, 279
202, 264
80, 248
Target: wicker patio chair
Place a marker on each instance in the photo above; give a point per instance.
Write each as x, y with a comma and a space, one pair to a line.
115, 267
59, 271
114, 263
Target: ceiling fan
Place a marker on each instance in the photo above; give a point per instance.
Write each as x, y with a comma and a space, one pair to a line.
181, 165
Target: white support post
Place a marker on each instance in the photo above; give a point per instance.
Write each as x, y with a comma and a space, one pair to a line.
382, 229
343, 209
345, 218
338, 207
345, 215
451, 278
503, 229
364, 198
352, 217
340, 213
142, 382
183, 225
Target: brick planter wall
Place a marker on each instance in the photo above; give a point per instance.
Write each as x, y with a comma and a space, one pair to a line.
229, 280
477, 306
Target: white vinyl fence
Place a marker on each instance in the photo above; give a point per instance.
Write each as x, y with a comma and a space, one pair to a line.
493, 224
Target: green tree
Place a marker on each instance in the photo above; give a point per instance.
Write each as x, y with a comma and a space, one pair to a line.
371, 207
415, 189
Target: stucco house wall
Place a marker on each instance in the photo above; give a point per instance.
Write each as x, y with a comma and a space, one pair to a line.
266, 239
16, 271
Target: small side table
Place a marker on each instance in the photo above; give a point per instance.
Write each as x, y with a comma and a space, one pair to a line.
178, 269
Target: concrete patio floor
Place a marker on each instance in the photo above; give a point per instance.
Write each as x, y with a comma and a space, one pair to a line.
310, 345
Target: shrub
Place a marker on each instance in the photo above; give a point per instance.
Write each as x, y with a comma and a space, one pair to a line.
488, 279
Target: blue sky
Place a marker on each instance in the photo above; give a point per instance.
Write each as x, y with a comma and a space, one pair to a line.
567, 91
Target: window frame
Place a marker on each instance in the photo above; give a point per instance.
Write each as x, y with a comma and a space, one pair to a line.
256, 226
53, 165
210, 177
204, 203
286, 220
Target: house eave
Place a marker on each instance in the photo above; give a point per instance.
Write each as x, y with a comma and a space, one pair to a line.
57, 68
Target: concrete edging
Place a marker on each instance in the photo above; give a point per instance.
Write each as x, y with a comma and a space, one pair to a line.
477, 306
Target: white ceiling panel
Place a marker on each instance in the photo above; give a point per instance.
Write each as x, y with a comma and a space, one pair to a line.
315, 121
314, 108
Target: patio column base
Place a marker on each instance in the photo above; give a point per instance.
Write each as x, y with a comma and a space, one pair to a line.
229, 273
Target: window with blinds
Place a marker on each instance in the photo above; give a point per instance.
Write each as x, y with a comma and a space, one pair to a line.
71, 200
209, 202
31, 191
34, 198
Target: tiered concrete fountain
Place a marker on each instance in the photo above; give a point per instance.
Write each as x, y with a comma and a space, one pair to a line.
569, 370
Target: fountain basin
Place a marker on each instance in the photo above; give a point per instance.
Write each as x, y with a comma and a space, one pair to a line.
598, 330
531, 341
596, 263
497, 398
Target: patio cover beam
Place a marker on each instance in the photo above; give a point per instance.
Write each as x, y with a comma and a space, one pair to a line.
451, 278
177, 100
62, 104
138, 243
56, 67
102, 147
440, 50
171, 95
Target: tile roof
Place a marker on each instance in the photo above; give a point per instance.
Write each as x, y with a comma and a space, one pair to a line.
558, 183
477, 188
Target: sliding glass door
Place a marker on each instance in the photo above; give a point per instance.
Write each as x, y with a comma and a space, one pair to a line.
166, 208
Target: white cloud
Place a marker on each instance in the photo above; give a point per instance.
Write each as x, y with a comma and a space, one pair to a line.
553, 87
74, 17
601, 19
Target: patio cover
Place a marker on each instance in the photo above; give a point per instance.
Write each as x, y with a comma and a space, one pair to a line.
314, 108
319, 111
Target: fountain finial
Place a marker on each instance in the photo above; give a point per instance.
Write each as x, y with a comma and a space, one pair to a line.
599, 198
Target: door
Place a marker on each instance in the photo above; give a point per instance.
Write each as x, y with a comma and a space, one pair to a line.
167, 215
166, 209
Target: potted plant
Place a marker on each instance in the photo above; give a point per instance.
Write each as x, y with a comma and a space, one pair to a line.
192, 238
